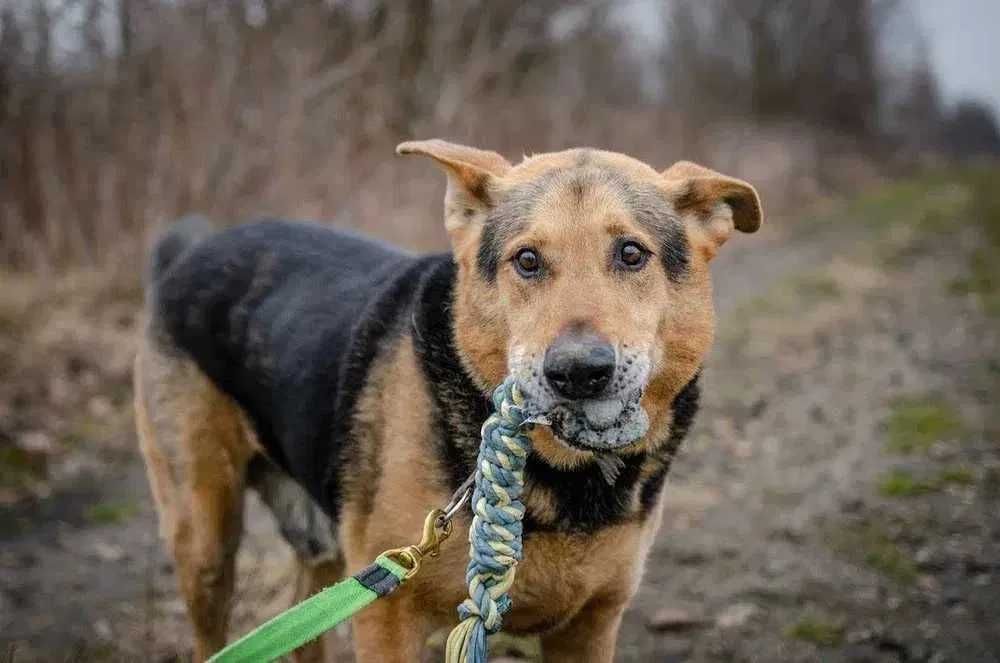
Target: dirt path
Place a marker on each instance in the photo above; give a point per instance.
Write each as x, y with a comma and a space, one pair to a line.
836, 501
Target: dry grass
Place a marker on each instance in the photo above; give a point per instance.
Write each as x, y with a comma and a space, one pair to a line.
296, 112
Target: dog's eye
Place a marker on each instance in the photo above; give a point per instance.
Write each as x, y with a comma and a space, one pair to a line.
631, 255
527, 263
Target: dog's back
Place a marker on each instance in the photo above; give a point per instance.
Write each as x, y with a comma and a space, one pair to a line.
268, 312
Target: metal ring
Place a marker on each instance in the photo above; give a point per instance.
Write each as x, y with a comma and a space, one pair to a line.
455, 506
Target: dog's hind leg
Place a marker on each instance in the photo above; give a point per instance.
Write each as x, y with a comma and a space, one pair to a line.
196, 454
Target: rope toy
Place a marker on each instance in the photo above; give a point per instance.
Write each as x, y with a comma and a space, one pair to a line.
495, 533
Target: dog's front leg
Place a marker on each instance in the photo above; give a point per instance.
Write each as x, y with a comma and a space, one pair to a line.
391, 630
589, 636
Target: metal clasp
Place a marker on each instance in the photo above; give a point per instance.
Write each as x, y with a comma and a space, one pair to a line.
437, 528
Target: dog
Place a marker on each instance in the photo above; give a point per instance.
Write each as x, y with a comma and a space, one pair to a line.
346, 382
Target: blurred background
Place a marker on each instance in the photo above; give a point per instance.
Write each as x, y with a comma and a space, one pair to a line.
838, 497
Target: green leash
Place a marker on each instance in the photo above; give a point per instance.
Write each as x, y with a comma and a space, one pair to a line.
319, 613
314, 616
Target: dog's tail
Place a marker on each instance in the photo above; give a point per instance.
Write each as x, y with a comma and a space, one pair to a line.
176, 240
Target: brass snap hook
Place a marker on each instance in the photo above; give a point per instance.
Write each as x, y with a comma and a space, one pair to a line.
436, 530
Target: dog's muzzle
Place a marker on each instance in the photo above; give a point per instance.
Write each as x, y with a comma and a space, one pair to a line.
588, 392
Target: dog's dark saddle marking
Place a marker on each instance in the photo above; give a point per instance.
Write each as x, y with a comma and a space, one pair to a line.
288, 318
274, 313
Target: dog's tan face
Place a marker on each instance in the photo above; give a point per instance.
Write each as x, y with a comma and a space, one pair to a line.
585, 275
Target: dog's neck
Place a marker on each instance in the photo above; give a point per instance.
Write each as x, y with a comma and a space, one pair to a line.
577, 499
461, 405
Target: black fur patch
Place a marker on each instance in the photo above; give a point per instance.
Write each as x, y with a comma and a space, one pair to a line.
287, 319
654, 211
490, 247
507, 218
674, 252
461, 408
584, 502
684, 407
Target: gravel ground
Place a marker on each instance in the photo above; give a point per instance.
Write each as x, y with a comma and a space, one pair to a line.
837, 500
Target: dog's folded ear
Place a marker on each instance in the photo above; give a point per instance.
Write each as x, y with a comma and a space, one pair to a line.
719, 202
472, 175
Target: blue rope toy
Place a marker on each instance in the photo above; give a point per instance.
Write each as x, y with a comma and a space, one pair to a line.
495, 545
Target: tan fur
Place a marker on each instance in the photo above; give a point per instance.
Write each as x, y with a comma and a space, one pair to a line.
573, 588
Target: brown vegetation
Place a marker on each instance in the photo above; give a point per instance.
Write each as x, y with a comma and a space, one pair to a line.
116, 116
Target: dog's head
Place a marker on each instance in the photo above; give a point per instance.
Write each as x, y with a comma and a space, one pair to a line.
585, 274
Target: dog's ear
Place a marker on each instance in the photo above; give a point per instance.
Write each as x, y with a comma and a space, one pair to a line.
717, 202
472, 177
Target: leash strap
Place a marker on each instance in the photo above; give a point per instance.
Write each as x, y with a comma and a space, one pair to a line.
316, 615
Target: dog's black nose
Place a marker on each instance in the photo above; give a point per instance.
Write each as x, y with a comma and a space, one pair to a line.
579, 365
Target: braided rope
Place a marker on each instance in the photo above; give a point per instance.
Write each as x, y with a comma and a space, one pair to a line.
495, 534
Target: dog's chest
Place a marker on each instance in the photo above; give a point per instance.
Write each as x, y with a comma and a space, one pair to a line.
561, 573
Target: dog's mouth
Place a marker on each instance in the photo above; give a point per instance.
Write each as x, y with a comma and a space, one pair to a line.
600, 425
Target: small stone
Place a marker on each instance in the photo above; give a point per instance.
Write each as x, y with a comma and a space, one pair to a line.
856, 636
736, 615
103, 629
674, 619
37, 442
928, 583
108, 552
